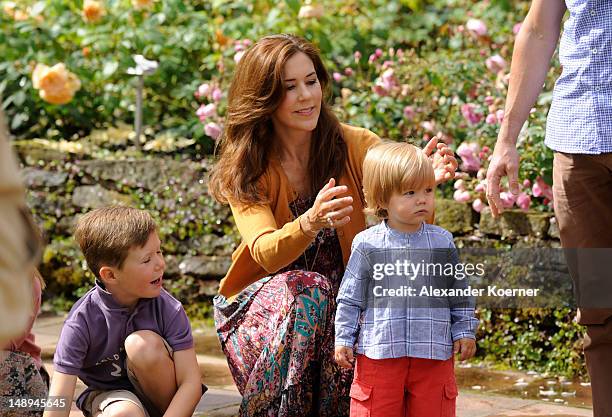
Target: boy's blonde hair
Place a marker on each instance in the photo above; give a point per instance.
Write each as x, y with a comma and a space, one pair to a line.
106, 235
393, 167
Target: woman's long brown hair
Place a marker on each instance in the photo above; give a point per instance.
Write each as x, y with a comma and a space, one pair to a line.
256, 91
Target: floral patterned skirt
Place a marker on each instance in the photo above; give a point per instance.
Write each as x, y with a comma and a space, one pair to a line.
20, 378
278, 336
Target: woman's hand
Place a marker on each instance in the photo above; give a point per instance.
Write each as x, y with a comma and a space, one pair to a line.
344, 356
327, 211
443, 160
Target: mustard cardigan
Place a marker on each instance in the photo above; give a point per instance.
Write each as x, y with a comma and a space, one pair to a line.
271, 240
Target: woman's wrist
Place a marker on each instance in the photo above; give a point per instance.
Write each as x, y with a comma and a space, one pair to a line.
306, 226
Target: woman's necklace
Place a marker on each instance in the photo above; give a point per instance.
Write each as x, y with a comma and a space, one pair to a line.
317, 239
295, 212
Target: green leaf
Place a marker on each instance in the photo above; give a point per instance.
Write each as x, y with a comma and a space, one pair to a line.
19, 98
414, 5
294, 5
109, 68
18, 120
273, 17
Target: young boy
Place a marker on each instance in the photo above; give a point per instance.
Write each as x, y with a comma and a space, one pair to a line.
127, 339
404, 363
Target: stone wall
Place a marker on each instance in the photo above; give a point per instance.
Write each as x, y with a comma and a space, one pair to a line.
197, 233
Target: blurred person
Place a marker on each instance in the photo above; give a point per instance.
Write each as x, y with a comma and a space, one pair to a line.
19, 245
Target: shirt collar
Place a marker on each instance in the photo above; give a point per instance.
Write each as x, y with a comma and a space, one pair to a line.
107, 300
402, 235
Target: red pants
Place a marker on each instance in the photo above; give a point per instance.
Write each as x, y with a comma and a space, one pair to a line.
403, 387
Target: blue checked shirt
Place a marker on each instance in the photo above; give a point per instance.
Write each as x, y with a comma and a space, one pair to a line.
383, 332
580, 117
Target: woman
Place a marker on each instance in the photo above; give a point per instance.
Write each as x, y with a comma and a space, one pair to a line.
292, 176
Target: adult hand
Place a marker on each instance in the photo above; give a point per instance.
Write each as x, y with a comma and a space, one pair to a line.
505, 162
466, 347
443, 160
327, 210
344, 356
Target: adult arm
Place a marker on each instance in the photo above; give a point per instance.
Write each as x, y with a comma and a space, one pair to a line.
533, 50
62, 389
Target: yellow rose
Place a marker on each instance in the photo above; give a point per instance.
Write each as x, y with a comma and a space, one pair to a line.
221, 38
93, 11
57, 85
311, 12
142, 4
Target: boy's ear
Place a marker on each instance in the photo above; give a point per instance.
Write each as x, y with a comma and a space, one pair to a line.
106, 274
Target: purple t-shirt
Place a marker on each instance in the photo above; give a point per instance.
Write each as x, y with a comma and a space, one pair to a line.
91, 344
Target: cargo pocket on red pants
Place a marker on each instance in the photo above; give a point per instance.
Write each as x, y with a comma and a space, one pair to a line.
449, 399
361, 399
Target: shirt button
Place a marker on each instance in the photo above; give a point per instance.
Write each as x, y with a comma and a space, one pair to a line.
593, 12
594, 50
597, 88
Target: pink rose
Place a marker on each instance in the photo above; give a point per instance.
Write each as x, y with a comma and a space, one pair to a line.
495, 63
523, 201
489, 100
357, 56
541, 189
238, 56
500, 115
203, 90
468, 111
468, 153
378, 52
205, 111
491, 119
337, 77
481, 187
348, 71
507, 199
409, 112
429, 125
217, 94
388, 79
462, 196
372, 58
213, 130
526, 183
459, 185
478, 205
516, 28
476, 27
